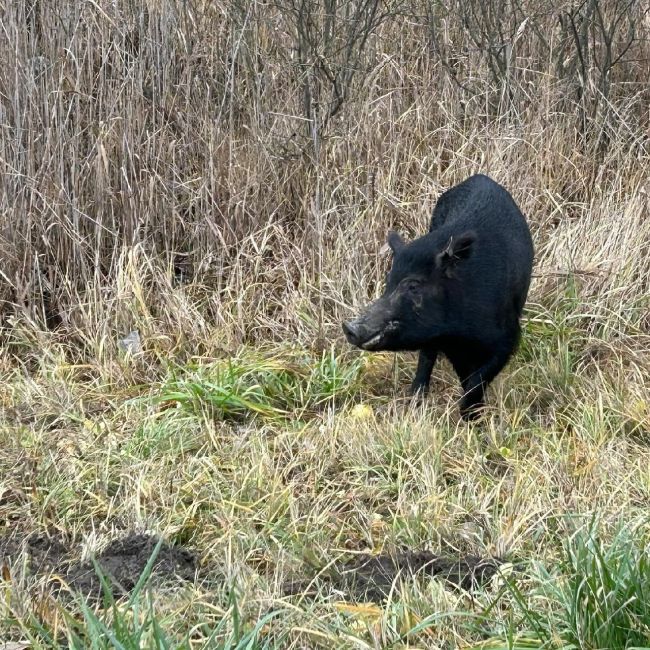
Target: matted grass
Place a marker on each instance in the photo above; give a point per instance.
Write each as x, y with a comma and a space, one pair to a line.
271, 491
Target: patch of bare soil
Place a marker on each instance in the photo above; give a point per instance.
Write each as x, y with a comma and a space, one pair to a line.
121, 562
371, 577
44, 553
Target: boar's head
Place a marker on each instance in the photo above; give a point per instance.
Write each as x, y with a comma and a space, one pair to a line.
415, 307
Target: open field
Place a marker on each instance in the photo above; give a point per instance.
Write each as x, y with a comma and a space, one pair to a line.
220, 178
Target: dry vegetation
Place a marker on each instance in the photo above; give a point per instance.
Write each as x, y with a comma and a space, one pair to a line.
220, 177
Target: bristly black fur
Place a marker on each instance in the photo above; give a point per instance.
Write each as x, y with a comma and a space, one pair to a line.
459, 290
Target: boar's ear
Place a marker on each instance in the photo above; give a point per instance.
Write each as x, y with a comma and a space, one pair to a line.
395, 241
457, 249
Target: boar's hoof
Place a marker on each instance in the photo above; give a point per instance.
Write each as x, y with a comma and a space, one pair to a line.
471, 411
419, 391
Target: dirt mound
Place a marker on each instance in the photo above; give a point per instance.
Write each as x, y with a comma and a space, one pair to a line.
121, 562
45, 553
371, 577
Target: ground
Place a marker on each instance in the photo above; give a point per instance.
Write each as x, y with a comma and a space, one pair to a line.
306, 490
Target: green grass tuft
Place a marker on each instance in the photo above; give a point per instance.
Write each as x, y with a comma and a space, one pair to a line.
273, 386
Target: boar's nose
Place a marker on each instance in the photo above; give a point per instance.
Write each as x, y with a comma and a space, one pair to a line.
352, 331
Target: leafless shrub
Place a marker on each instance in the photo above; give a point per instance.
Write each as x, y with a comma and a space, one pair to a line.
599, 39
589, 42
330, 42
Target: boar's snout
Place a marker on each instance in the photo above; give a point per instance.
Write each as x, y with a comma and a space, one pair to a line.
372, 330
353, 331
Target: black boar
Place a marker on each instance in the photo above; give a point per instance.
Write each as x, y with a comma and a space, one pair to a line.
459, 290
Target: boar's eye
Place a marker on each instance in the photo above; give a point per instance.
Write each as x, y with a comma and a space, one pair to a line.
413, 286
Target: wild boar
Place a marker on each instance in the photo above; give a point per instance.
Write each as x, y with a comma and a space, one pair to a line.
459, 290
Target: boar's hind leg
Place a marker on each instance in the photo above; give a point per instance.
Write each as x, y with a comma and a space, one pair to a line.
426, 361
475, 380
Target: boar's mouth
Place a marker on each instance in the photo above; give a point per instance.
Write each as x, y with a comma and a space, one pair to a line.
373, 342
359, 335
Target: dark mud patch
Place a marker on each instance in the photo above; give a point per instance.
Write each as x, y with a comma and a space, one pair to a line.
43, 552
372, 577
121, 563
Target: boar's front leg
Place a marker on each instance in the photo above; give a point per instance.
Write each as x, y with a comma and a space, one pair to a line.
426, 361
475, 381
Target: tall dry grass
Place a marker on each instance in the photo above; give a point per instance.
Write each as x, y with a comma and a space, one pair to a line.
159, 171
